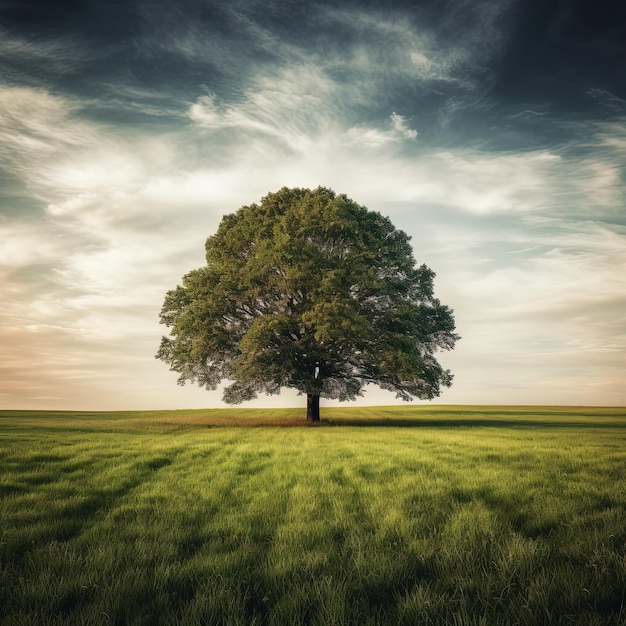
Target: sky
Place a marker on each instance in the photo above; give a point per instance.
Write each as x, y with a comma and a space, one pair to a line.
493, 132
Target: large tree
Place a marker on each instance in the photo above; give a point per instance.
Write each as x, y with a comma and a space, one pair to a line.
311, 291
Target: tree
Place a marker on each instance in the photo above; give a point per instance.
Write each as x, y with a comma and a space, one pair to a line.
308, 290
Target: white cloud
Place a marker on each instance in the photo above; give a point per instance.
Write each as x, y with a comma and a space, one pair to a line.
75, 205
400, 125
205, 112
35, 126
406, 49
45, 131
296, 106
24, 243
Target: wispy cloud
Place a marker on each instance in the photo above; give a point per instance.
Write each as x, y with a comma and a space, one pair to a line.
400, 125
609, 100
293, 105
57, 55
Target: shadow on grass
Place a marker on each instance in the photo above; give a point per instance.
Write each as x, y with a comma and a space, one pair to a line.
474, 423
526, 417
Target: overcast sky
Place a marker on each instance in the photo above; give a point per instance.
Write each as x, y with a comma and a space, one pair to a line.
491, 131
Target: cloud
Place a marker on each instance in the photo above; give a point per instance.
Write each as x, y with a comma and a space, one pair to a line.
57, 55
308, 127
413, 45
608, 100
528, 113
84, 173
301, 109
25, 243
34, 126
80, 281
350, 62
400, 125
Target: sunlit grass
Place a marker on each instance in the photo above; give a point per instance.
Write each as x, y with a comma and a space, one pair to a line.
437, 515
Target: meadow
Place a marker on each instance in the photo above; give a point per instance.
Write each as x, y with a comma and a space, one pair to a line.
383, 515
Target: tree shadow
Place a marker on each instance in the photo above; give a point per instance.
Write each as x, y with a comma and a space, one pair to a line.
452, 423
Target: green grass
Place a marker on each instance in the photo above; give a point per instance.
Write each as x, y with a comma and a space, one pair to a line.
428, 515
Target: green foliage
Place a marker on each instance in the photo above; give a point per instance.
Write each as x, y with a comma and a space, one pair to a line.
453, 515
311, 291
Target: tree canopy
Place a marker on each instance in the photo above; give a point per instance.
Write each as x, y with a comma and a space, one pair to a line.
308, 290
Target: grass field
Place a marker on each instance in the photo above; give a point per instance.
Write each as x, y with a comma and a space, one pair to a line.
427, 515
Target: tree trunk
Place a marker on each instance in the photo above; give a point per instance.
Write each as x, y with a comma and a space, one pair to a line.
312, 408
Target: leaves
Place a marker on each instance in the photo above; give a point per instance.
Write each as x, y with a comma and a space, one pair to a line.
308, 290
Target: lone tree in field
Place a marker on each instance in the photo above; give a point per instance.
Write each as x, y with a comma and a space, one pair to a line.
311, 291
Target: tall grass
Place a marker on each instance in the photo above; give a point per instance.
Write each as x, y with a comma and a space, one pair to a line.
454, 515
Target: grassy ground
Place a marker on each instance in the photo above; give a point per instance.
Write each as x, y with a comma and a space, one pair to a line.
435, 515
